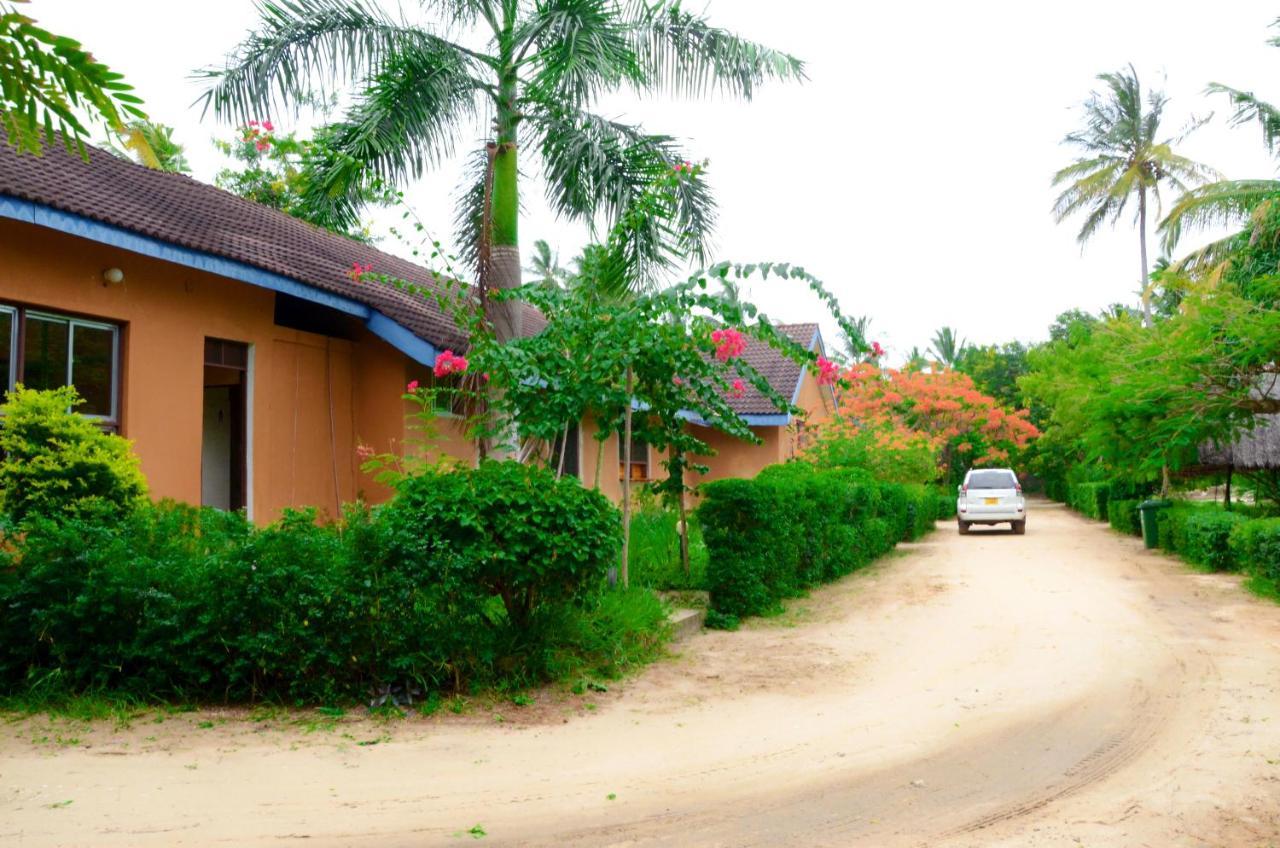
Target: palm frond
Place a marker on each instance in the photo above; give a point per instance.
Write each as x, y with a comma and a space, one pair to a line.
305, 51
683, 54
406, 119
1250, 109
468, 215
595, 168
578, 49
1224, 203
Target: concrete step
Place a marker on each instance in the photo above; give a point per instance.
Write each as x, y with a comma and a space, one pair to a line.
686, 623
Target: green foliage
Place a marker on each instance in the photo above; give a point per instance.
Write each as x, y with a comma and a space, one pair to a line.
795, 526
1255, 546
488, 576
1090, 498
48, 82
57, 463
281, 171
1200, 533
1124, 516
655, 551
995, 371
151, 145
519, 533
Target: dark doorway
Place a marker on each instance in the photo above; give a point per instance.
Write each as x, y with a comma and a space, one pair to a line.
223, 471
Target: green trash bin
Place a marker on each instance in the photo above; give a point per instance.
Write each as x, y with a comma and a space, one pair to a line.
1150, 521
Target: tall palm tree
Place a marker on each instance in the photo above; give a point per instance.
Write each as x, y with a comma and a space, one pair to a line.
421, 89
1123, 156
948, 347
1227, 202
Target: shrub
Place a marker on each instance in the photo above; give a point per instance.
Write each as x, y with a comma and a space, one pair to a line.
793, 527
1090, 499
490, 576
1255, 545
944, 502
57, 463
518, 532
1206, 536
1125, 516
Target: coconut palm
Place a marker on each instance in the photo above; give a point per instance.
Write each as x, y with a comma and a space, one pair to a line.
1123, 157
526, 73
150, 144
1226, 202
948, 347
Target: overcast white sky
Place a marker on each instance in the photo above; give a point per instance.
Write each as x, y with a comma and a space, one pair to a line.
911, 172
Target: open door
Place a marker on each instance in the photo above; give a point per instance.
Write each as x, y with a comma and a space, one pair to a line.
223, 471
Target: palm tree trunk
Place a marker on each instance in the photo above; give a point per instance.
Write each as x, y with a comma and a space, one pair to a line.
504, 261
626, 484
1145, 281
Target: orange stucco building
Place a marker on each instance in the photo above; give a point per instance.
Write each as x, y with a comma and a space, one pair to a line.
229, 343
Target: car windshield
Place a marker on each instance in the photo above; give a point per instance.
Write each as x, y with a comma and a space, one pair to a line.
992, 480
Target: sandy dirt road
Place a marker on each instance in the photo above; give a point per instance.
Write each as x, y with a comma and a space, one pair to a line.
1061, 688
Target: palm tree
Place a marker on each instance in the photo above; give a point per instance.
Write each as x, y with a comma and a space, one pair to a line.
1226, 202
544, 64
916, 361
1123, 156
948, 347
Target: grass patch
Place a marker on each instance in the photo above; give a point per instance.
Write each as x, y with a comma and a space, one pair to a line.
1263, 588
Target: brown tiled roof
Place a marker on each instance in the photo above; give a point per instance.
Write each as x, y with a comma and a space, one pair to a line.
178, 210
782, 373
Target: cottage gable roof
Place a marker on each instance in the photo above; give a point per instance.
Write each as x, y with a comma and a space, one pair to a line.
174, 209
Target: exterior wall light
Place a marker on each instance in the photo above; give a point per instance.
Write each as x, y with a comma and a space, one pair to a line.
112, 277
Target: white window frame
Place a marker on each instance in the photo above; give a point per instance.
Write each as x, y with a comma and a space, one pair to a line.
72, 323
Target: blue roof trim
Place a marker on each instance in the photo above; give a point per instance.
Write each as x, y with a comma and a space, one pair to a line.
381, 326
777, 419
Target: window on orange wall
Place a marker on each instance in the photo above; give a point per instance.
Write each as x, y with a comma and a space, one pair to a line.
639, 470
45, 350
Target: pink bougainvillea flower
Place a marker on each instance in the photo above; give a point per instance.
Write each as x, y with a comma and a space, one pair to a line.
485, 376
828, 371
365, 452
356, 271
267, 125
739, 388
676, 381
876, 350
412, 387
253, 123
729, 344
450, 363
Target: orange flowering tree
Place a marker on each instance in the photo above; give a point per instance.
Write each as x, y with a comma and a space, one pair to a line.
916, 426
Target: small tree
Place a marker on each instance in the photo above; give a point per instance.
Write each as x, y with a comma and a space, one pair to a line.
57, 463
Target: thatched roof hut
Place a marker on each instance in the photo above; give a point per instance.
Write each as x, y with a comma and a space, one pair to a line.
1252, 451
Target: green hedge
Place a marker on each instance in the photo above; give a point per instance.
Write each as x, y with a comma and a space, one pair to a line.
1125, 516
1255, 545
794, 526
1200, 534
488, 576
1090, 499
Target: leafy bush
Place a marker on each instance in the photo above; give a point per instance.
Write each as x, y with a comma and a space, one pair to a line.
516, 531
944, 503
1090, 499
57, 463
794, 526
1256, 547
1125, 516
488, 576
1206, 537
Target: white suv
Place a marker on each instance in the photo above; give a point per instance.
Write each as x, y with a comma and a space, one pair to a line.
991, 496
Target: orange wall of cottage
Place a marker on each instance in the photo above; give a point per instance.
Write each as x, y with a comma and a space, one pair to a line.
733, 457
313, 398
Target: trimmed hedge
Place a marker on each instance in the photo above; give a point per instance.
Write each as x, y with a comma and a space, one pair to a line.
794, 526
1090, 499
1200, 534
1125, 516
1255, 545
